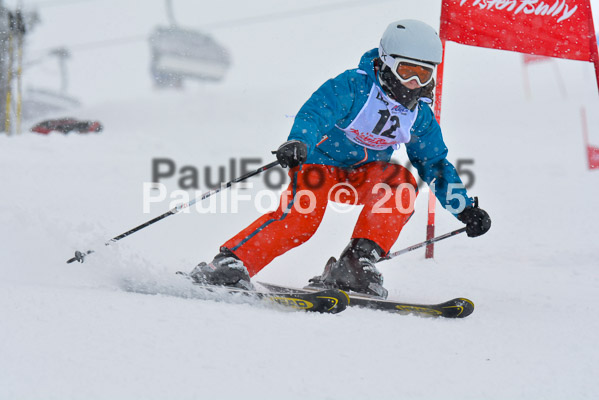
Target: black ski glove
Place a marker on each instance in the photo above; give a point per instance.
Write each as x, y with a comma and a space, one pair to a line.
292, 153
476, 219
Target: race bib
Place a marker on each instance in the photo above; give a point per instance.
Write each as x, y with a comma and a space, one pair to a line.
381, 123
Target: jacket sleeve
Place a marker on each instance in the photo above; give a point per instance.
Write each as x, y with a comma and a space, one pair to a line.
428, 153
330, 103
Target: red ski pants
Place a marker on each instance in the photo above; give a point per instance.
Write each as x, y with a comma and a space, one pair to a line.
387, 192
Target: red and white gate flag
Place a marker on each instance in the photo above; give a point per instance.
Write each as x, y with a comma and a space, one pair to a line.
593, 154
553, 28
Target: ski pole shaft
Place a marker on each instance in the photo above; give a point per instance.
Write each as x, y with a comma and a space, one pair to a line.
426, 242
79, 256
183, 206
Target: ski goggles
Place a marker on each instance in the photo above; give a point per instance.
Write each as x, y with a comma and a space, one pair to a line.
407, 69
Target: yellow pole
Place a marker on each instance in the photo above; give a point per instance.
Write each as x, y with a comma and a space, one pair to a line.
9, 74
20, 38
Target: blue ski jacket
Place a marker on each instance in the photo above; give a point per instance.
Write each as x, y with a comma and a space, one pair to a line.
338, 102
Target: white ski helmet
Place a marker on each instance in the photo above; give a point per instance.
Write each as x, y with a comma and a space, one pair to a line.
410, 39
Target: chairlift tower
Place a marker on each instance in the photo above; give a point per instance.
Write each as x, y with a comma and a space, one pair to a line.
13, 27
62, 54
5, 61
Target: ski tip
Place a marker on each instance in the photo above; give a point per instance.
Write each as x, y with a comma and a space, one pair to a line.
457, 308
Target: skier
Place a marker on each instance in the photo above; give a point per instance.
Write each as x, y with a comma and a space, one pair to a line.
345, 135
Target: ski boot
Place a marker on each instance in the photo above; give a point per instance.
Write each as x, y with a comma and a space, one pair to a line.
224, 270
355, 270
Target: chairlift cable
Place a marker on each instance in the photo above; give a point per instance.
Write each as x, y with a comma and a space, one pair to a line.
225, 24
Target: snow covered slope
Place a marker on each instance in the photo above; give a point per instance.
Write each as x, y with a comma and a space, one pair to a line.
121, 325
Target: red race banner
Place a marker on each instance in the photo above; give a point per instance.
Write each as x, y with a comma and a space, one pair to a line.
556, 28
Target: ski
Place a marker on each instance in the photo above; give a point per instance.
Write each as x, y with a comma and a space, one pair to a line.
455, 308
329, 301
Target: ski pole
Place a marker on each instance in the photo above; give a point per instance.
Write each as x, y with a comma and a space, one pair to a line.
419, 245
79, 255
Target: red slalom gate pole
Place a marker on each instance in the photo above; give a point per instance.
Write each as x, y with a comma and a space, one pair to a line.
432, 200
430, 226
